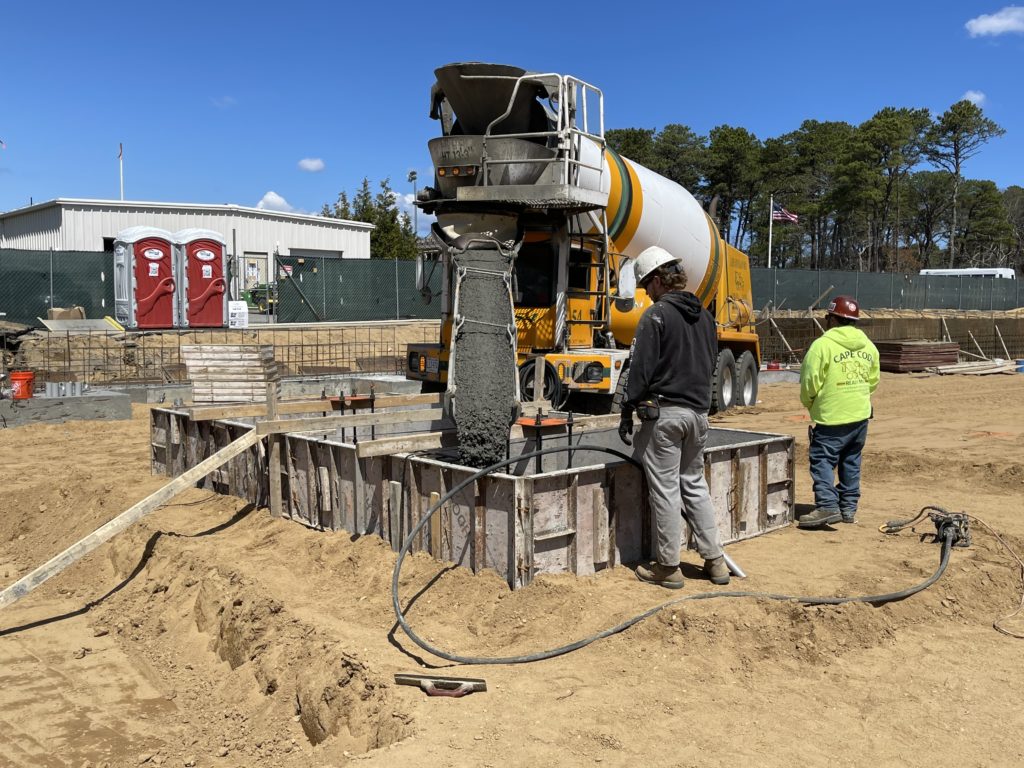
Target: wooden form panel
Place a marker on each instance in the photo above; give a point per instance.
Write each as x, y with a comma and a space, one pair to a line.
574, 520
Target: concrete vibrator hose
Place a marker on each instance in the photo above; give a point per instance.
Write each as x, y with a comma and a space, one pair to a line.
949, 531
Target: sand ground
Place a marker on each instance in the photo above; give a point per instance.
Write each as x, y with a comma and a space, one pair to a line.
212, 635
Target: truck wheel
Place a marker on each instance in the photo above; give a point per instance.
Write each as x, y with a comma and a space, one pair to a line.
723, 385
746, 379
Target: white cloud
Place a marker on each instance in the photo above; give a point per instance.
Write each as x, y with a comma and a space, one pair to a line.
1003, 21
975, 97
311, 164
274, 202
422, 220
223, 102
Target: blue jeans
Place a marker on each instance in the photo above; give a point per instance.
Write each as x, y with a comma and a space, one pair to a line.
837, 447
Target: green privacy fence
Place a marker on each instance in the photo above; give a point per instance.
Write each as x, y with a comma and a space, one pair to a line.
800, 288
337, 290
323, 289
33, 281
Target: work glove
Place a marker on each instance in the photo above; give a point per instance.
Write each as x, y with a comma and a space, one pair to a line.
626, 429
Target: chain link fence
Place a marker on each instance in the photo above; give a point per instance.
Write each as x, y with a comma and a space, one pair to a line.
32, 282
320, 289
800, 288
313, 290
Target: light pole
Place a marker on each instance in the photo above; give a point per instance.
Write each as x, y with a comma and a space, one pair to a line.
415, 210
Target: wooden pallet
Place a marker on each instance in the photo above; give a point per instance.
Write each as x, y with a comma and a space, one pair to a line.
231, 373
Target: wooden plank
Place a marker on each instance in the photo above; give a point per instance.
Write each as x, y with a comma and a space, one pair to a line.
273, 467
395, 444
355, 420
435, 526
209, 413
324, 488
220, 412
133, 514
395, 533
600, 512
228, 351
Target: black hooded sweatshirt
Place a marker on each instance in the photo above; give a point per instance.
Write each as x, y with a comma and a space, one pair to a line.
673, 354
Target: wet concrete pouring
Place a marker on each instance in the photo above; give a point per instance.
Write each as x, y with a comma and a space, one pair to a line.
483, 362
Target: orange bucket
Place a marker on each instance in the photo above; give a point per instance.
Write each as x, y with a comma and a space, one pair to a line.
21, 384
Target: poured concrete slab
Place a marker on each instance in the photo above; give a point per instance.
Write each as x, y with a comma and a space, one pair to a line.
95, 404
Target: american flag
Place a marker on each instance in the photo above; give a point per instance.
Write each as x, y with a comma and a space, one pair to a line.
781, 214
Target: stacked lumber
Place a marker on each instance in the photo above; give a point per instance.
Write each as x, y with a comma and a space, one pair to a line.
230, 373
976, 368
904, 356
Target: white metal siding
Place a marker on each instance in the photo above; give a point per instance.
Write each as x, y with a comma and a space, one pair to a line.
37, 230
84, 225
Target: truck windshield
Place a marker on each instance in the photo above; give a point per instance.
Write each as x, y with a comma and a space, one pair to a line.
535, 274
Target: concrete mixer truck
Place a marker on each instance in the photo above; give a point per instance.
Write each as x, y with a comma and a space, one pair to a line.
538, 220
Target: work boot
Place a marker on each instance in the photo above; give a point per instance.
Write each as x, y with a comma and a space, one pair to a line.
668, 576
818, 518
717, 570
849, 517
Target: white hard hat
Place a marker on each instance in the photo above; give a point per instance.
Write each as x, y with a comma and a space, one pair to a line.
649, 260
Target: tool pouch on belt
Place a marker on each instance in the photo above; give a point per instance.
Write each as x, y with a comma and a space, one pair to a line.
648, 410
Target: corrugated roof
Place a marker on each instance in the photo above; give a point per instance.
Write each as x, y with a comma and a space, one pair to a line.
224, 208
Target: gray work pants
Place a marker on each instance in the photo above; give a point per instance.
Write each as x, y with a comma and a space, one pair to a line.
672, 451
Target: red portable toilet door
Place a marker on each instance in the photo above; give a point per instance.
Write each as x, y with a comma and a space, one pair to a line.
154, 284
204, 261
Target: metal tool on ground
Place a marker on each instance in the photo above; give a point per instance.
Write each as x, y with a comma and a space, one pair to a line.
453, 687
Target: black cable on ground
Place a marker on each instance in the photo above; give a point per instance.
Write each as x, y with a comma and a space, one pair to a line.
895, 526
948, 536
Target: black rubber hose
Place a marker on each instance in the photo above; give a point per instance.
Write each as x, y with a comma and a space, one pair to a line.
889, 597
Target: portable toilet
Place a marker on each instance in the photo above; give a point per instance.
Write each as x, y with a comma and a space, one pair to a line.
201, 256
144, 278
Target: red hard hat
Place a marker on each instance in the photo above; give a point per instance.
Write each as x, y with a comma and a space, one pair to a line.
844, 306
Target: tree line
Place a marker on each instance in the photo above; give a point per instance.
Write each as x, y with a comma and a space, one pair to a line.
886, 195
392, 236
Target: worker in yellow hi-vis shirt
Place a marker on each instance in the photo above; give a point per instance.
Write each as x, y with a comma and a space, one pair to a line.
838, 375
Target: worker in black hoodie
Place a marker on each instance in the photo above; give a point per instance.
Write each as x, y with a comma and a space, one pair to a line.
669, 387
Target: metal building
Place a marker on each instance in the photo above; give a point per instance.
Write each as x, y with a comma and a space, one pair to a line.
253, 235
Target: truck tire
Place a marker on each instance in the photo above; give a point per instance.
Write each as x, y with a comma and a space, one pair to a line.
723, 384
746, 379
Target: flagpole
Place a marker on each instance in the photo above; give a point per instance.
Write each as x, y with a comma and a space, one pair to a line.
120, 163
771, 220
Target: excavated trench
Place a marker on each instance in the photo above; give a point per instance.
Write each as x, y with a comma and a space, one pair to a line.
300, 671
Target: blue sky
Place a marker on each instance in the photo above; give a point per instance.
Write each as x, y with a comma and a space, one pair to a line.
286, 104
